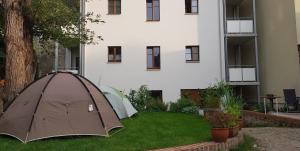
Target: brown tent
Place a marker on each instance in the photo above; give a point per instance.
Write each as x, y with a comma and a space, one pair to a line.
59, 104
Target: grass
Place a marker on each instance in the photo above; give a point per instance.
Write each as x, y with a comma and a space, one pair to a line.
248, 145
146, 131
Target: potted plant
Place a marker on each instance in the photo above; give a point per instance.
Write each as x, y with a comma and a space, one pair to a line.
232, 106
219, 122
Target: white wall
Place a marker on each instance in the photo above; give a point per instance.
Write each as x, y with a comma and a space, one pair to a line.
172, 33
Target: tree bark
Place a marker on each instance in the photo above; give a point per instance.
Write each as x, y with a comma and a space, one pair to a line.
20, 56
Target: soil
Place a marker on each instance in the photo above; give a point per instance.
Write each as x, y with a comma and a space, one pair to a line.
275, 139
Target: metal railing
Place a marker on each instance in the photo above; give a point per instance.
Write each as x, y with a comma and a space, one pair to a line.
242, 73
240, 25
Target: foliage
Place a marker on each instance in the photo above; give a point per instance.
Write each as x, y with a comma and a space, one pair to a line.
218, 119
140, 98
249, 144
261, 108
213, 94
182, 105
58, 20
147, 131
155, 105
232, 106
197, 99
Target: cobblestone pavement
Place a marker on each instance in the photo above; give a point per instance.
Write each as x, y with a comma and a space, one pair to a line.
275, 139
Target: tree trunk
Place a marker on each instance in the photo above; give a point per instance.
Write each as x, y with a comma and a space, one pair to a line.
20, 56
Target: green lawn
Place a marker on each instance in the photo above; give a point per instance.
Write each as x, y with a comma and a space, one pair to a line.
143, 132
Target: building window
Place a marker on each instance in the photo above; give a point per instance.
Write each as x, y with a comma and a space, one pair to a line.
153, 57
195, 95
114, 7
191, 6
114, 54
156, 94
192, 54
153, 12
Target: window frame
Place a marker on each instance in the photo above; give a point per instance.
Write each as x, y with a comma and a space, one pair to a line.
191, 47
115, 8
153, 58
191, 13
115, 49
153, 11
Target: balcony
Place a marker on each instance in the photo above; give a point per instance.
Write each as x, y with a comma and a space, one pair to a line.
242, 74
244, 26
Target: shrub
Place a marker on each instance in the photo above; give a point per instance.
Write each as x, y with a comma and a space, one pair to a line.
155, 105
218, 119
213, 94
139, 98
183, 105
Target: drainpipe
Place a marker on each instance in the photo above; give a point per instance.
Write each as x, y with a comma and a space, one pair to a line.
56, 56
81, 46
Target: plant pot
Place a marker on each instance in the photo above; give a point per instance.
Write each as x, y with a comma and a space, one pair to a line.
241, 124
220, 134
233, 131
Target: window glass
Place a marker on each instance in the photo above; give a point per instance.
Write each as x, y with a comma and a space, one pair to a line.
188, 57
195, 49
114, 54
114, 6
191, 6
153, 10
156, 13
192, 53
149, 13
153, 57
194, 3
149, 61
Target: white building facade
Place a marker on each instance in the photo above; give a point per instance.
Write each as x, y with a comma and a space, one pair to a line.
168, 45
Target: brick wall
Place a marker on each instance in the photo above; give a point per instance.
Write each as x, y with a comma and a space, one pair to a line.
209, 146
260, 119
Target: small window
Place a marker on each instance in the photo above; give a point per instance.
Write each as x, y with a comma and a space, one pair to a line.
153, 10
192, 53
114, 54
191, 6
153, 57
157, 94
196, 95
114, 7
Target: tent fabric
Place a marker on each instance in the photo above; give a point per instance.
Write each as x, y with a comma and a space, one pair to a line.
59, 104
119, 102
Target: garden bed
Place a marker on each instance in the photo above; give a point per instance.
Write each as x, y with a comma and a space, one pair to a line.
144, 132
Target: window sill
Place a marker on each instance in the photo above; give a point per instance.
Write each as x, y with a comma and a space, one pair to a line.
114, 14
114, 62
191, 14
192, 61
152, 20
153, 69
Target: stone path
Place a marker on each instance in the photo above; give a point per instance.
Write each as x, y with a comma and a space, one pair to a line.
275, 139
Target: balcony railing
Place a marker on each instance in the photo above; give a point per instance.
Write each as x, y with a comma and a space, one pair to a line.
242, 74
240, 26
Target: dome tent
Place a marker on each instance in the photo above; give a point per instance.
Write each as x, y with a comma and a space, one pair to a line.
119, 102
59, 104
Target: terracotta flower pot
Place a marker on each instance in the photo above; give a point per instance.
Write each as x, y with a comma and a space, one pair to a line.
233, 131
220, 134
